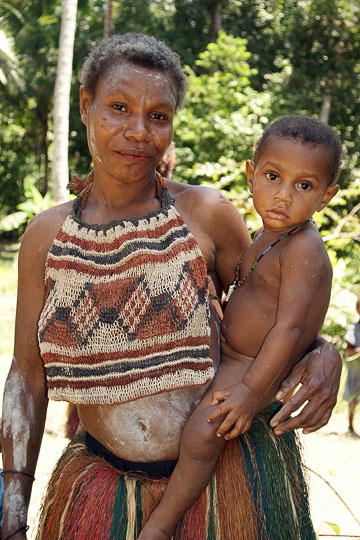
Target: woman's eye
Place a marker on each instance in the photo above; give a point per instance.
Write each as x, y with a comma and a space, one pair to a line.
159, 116
272, 176
118, 107
304, 186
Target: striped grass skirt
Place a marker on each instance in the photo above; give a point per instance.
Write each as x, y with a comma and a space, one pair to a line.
258, 492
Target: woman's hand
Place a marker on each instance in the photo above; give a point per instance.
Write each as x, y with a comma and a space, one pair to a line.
319, 375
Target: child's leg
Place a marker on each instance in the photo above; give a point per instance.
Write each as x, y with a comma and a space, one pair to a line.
199, 451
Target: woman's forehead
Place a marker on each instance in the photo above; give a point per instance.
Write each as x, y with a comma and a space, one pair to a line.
123, 75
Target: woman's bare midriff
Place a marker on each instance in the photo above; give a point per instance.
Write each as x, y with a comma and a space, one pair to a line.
150, 428
144, 430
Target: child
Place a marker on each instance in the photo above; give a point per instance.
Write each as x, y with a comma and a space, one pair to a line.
352, 384
283, 283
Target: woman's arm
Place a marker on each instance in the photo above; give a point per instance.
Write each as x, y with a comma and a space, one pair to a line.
318, 373
25, 400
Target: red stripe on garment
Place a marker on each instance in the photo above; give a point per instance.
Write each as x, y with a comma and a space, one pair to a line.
94, 359
99, 247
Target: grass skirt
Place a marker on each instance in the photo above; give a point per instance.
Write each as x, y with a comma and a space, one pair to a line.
258, 492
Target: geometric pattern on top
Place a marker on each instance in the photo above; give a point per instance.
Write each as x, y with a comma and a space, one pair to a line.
126, 311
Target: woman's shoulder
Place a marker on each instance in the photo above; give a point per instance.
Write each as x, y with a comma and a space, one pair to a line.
201, 196
43, 228
50, 220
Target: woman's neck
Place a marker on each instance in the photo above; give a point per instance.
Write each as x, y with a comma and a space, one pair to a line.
111, 199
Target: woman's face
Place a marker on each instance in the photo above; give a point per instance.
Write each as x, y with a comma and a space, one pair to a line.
129, 121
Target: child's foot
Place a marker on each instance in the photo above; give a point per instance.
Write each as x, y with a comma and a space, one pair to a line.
152, 532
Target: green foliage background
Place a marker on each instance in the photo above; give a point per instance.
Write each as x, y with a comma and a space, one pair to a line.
272, 57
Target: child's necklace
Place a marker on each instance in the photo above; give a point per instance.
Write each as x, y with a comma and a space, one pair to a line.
240, 281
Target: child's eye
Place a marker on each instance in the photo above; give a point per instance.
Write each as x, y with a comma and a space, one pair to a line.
272, 176
304, 186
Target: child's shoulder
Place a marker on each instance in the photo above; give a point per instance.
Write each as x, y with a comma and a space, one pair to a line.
307, 237
307, 246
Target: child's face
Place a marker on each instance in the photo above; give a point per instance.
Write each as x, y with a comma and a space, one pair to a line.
289, 183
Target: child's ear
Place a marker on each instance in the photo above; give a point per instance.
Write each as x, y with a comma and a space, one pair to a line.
328, 195
250, 174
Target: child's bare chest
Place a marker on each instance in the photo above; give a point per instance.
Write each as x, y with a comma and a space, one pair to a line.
251, 310
260, 266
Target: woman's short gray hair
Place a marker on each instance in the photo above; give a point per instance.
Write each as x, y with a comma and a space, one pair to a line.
139, 49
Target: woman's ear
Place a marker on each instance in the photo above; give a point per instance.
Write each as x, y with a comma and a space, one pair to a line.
328, 195
85, 100
250, 174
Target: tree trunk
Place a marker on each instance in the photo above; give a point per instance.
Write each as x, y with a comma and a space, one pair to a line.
42, 113
108, 19
216, 19
46, 157
325, 109
60, 168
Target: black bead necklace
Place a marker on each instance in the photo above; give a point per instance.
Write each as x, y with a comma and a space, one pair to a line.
240, 281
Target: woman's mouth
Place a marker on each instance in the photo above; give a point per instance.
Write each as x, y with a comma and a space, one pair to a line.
133, 157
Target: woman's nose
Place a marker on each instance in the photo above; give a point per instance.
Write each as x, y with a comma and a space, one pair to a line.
137, 129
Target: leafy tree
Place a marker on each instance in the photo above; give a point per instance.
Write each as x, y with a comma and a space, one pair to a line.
10, 78
34, 204
34, 27
223, 115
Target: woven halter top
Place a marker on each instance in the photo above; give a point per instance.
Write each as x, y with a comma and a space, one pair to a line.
126, 310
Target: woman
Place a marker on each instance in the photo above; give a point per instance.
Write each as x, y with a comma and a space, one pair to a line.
112, 299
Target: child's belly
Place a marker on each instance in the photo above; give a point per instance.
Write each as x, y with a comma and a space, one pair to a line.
248, 317
232, 370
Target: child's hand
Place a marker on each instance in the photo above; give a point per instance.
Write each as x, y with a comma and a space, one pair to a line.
239, 403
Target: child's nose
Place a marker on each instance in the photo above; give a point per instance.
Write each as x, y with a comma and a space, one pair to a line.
283, 194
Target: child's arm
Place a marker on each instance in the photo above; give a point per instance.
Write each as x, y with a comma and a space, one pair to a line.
303, 265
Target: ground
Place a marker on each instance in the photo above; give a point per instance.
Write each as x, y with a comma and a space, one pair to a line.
334, 454
331, 452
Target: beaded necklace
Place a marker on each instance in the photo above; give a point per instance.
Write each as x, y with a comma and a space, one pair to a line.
240, 281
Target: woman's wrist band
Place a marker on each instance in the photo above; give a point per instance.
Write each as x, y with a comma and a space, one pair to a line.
24, 527
16, 471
